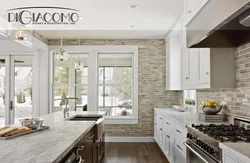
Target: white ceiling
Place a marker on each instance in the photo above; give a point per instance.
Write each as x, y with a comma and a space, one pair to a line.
112, 19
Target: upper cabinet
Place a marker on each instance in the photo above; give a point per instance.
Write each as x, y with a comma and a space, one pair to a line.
208, 68
173, 61
197, 68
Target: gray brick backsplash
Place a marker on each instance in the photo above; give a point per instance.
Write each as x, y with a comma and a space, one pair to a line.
151, 83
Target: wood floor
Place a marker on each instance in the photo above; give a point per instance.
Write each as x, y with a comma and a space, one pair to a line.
133, 153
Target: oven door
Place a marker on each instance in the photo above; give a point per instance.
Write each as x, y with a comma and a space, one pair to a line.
196, 155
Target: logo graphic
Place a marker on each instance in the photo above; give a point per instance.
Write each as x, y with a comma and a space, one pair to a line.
43, 16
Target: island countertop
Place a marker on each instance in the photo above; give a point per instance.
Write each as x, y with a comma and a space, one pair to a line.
49, 145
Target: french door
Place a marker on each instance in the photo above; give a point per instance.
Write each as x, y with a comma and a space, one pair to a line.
16, 76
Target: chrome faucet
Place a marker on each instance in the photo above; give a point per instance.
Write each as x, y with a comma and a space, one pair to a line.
66, 109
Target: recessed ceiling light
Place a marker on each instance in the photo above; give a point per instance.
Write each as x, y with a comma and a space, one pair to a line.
133, 6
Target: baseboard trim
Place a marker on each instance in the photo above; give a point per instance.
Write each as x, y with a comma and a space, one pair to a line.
128, 139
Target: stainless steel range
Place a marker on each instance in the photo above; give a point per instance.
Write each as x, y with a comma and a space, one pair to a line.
203, 140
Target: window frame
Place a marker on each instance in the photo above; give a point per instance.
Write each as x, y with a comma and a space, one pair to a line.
93, 52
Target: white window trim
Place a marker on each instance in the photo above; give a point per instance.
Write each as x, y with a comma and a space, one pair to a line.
93, 52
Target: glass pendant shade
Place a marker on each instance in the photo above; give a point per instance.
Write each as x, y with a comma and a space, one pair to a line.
62, 55
79, 65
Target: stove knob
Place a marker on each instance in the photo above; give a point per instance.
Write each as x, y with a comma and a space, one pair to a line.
208, 149
211, 151
197, 142
193, 125
205, 146
188, 135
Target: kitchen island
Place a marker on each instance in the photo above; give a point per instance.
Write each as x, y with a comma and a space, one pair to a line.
49, 145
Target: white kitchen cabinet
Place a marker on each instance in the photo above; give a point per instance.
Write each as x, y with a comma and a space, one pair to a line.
178, 156
207, 68
173, 61
229, 159
170, 138
204, 66
156, 132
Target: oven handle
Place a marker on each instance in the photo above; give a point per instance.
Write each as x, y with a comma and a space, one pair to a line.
196, 153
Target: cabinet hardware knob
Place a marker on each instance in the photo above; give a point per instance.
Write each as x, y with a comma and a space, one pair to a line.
167, 123
160, 118
167, 136
161, 129
187, 78
207, 73
189, 11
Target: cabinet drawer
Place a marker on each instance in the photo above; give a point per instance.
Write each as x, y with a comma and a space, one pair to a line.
179, 140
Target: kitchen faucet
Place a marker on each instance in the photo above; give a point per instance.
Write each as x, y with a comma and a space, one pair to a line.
66, 110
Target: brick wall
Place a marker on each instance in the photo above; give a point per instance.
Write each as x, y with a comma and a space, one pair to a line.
238, 99
151, 83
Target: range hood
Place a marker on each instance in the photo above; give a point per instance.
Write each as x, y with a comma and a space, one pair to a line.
220, 24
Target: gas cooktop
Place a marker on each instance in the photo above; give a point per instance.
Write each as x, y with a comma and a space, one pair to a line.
223, 132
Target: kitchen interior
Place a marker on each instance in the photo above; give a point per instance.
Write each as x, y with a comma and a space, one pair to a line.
173, 88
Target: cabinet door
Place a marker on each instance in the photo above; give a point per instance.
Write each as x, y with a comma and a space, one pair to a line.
204, 66
185, 68
178, 156
156, 135
167, 143
193, 62
228, 159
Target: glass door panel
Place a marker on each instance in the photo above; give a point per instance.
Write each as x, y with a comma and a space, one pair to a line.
2, 91
22, 87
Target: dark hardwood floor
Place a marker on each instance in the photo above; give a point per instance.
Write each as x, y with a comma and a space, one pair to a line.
133, 153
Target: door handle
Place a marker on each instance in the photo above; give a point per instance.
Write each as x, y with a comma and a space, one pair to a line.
11, 105
196, 153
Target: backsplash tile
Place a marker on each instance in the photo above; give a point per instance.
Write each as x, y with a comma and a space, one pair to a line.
238, 100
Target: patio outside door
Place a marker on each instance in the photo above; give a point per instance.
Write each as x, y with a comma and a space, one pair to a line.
16, 91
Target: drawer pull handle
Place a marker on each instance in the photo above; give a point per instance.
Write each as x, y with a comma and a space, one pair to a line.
178, 131
155, 123
167, 136
91, 137
178, 147
161, 129
167, 123
80, 148
160, 118
81, 160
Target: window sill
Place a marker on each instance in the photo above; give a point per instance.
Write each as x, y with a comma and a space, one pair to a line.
120, 120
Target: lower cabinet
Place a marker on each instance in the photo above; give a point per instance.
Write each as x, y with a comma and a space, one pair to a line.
231, 158
170, 138
91, 150
99, 149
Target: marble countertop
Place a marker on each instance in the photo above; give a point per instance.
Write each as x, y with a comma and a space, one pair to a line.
49, 145
239, 150
183, 119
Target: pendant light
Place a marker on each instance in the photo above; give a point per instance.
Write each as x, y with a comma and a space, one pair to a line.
61, 54
78, 64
